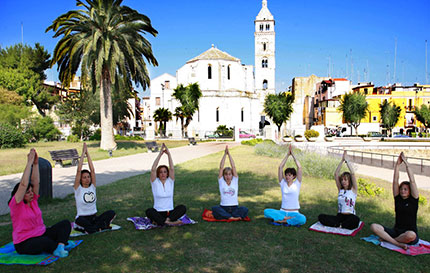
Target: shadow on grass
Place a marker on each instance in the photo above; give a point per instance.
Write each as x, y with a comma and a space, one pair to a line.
225, 247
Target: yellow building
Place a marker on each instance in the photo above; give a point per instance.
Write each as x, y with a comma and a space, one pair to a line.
407, 97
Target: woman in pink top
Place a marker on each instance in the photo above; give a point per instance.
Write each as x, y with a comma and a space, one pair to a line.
30, 236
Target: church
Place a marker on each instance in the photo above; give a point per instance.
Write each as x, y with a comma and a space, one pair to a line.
232, 93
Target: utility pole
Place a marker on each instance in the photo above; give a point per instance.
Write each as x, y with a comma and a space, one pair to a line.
427, 82
395, 56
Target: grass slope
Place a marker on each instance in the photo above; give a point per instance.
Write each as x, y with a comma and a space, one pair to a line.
252, 246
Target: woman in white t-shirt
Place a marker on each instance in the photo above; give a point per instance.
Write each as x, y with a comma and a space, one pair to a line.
228, 181
85, 197
162, 184
347, 187
290, 181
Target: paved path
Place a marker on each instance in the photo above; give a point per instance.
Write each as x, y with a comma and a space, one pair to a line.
110, 170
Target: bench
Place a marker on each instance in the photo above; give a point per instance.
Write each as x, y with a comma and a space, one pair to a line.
60, 155
192, 141
152, 146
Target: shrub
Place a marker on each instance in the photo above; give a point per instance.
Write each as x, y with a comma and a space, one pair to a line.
313, 164
44, 128
414, 134
252, 142
311, 133
223, 131
422, 201
366, 188
73, 138
11, 137
97, 135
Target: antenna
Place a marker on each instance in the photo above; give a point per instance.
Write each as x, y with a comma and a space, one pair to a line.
395, 56
367, 71
22, 33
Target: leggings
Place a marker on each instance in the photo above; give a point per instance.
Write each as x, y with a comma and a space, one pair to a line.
225, 212
48, 241
297, 219
94, 223
160, 216
348, 221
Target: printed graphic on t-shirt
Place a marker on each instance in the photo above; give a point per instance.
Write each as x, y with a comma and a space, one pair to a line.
228, 191
89, 197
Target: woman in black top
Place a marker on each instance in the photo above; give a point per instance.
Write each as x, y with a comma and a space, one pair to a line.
406, 198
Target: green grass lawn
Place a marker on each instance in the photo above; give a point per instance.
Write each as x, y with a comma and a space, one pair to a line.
14, 160
252, 246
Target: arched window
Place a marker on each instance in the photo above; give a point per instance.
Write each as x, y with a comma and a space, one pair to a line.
264, 63
261, 27
267, 27
241, 115
228, 72
217, 114
264, 46
264, 84
209, 72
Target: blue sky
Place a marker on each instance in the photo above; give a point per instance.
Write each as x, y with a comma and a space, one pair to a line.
309, 34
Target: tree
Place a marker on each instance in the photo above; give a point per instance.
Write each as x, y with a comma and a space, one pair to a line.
189, 98
105, 40
389, 115
22, 71
81, 110
279, 108
162, 115
353, 107
12, 108
422, 114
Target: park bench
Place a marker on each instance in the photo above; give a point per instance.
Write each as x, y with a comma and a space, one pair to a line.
192, 141
152, 146
60, 155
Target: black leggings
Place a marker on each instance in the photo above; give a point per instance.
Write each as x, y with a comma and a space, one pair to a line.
348, 221
48, 241
160, 216
94, 223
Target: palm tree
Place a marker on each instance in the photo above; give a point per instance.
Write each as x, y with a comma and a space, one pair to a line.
189, 98
422, 114
353, 107
389, 115
279, 108
105, 40
162, 115
179, 114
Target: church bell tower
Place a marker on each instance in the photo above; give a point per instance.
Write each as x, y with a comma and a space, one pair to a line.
264, 37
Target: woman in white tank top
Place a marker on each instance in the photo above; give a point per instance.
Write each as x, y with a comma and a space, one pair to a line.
290, 182
347, 187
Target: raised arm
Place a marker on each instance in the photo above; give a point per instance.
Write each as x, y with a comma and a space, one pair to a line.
221, 164
23, 184
35, 176
79, 169
155, 165
281, 174
336, 173
233, 166
91, 165
396, 176
299, 167
171, 165
351, 171
413, 184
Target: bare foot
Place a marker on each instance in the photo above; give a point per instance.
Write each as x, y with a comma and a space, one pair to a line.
173, 223
402, 245
235, 218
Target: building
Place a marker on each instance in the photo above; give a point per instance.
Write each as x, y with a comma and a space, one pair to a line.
232, 93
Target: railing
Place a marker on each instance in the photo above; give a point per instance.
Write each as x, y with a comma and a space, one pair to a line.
421, 165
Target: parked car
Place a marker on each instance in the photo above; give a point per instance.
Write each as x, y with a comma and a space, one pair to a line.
243, 134
401, 136
376, 134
